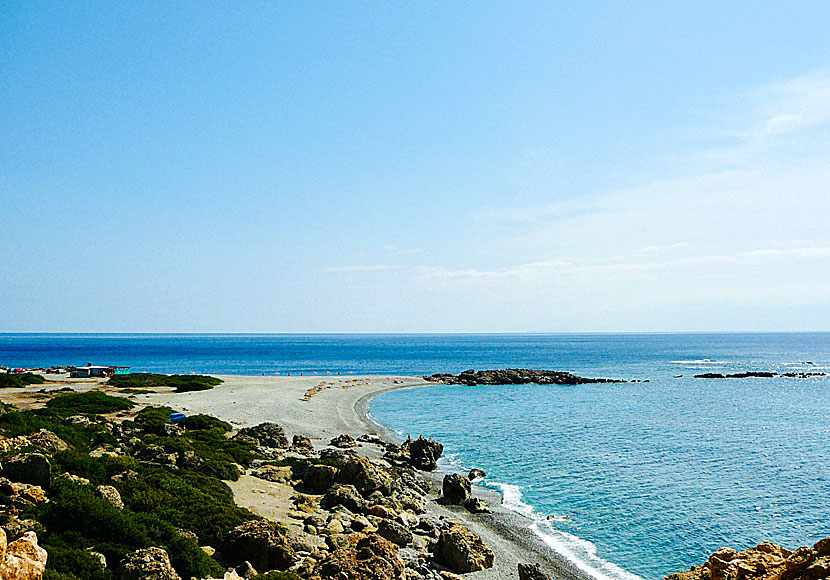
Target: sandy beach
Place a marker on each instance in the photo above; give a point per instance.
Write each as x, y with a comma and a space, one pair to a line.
322, 407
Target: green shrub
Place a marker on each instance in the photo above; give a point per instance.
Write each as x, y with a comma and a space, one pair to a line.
97, 470
153, 419
90, 402
204, 422
8, 380
67, 560
182, 383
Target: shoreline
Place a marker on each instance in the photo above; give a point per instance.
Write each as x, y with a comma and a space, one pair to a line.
341, 405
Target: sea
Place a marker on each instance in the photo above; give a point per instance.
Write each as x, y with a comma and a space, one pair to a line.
627, 480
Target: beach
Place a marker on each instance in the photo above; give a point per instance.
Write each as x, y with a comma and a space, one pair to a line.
323, 407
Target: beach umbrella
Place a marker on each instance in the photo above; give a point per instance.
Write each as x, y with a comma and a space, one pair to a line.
276, 373
313, 372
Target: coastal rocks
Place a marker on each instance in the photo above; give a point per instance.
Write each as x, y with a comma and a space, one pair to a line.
45, 440
318, 478
23, 559
475, 505
156, 454
744, 375
22, 495
765, 561
275, 473
365, 476
462, 551
302, 445
514, 377
455, 489
147, 564
32, 468
476, 474
369, 557
532, 572
345, 495
259, 543
394, 532
423, 453
266, 435
343, 441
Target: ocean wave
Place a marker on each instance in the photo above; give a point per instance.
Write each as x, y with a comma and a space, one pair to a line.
701, 361
580, 552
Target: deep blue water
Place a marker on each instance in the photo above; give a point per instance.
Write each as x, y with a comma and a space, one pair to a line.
654, 476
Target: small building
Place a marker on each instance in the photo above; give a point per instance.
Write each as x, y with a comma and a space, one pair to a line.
96, 371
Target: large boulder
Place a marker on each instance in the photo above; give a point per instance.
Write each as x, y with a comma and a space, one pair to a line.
23, 559
455, 489
266, 435
110, 494
370, 558
532, 572
45, 440
33, 468
318, 478
424, 453
365, 476
302, 445
462, 551
394, 532
259, 543
147, 564
345, 495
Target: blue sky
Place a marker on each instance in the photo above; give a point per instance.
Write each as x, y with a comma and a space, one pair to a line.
414, 167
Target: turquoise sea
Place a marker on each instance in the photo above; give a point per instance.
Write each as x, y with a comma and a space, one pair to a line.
639, 479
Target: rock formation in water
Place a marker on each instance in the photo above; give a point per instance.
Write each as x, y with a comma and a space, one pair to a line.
514, 377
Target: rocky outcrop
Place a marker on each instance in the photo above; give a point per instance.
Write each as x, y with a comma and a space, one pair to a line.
147, 564
23, 559
302, 445
759, 375
532, 572
475, 505
318, 478
368, 557
266, 435
462, 551
257, 542
455, 489
343, 442
365, 476
423, 453
476, 473
395, 532
32, 468
514, 377
765, 561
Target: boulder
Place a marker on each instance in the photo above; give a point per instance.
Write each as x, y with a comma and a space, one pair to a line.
371, 557
318, 478
302, 445
156, 454
343, 441
476, 473
455, 489
267, 435
108, 492
33, 468
424, 453
462, 551
147, 564
531, 572
259, 543
345, 495
365, 476
475, 505
394, 532
23, 559
45, 440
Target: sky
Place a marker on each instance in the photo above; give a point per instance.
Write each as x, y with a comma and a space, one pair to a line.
414, 167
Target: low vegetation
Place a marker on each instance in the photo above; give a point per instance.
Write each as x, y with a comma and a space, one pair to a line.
10, 380
182, 383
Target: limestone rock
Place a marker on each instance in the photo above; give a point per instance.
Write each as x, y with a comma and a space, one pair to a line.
108, 492
275, 473
394, 532
365, 476
302, 445
462, 551
424, 453
147, 564
531, 572
267, 435
476, 505
47, 441
318, 478
371, 557
23, 559
343, 441
455, 489
259, 543
32, 468
345, 495
156, 454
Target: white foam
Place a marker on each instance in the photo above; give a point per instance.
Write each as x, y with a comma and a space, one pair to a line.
701, 361
580, 552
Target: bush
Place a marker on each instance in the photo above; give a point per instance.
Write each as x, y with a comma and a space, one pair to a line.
91, 402
204, 422
182, 383
8, 380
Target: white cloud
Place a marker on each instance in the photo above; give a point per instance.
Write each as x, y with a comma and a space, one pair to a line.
362, 268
